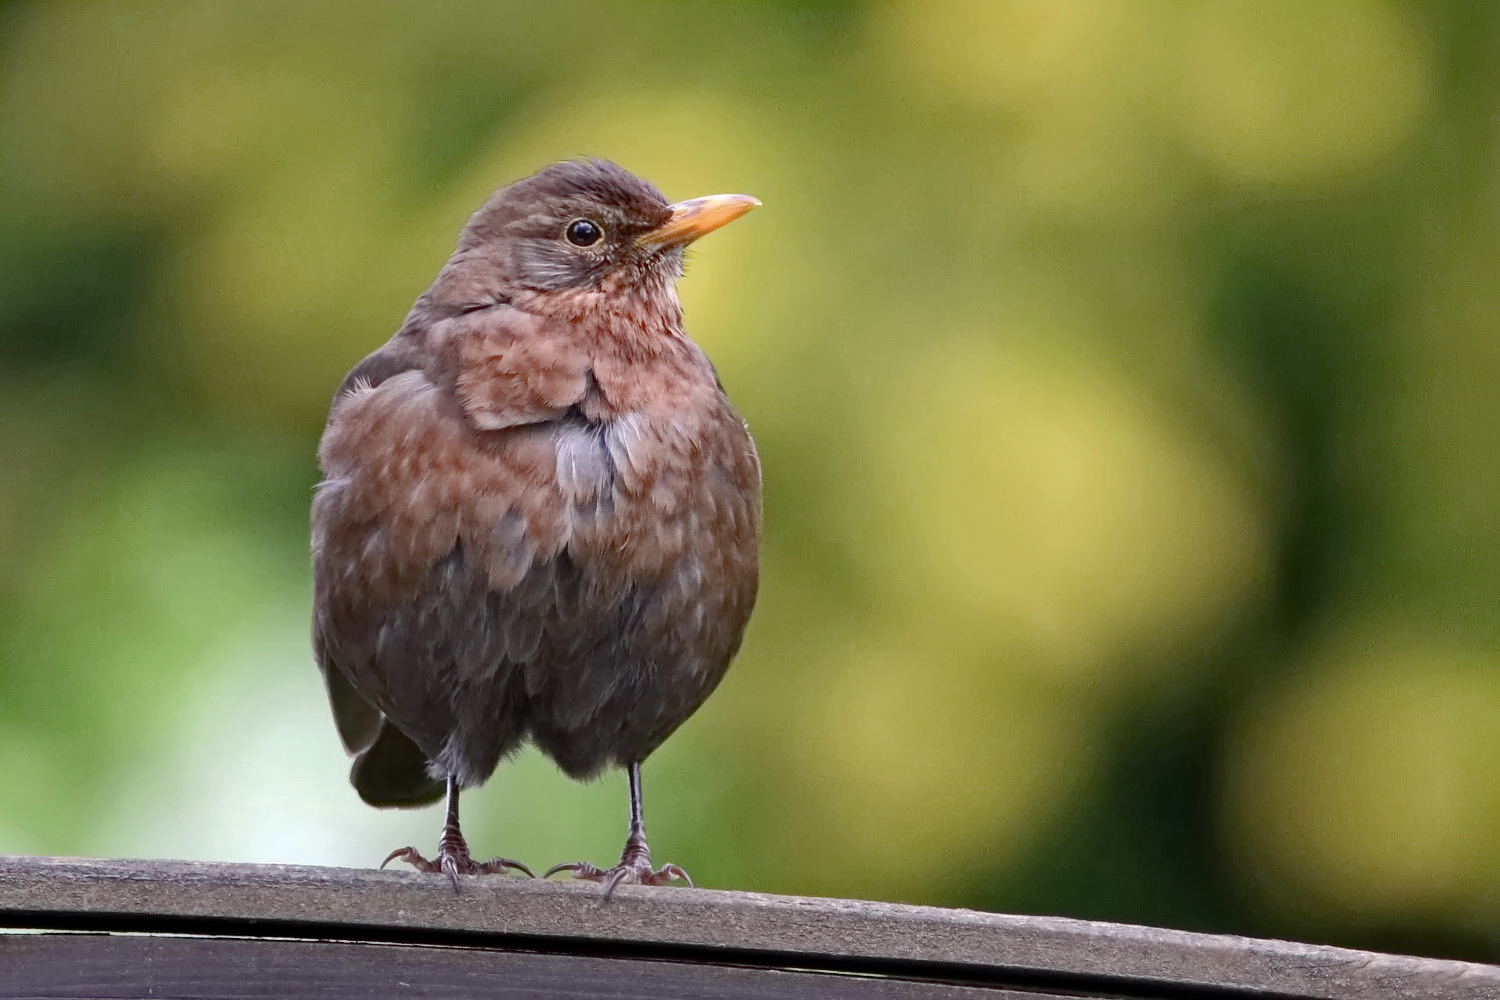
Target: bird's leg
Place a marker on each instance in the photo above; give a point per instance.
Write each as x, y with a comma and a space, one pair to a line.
635, 860
453, 858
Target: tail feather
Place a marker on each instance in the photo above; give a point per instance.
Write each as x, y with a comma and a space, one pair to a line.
392, 772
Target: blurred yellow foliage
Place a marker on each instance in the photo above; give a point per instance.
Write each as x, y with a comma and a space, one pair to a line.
1365, 785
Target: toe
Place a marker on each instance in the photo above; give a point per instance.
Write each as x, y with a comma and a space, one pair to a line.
411, 856
499, 866
617, 876
580, 869
670, 873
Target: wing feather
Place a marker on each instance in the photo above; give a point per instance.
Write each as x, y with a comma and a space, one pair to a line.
435, 543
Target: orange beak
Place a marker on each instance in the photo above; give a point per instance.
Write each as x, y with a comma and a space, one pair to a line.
697, 217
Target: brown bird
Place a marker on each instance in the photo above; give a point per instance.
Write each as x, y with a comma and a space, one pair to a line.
539, 516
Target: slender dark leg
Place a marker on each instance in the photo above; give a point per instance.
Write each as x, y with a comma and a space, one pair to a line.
453, 857
635, 860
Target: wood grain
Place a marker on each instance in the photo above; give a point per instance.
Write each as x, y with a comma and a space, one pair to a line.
72, 966
498, 925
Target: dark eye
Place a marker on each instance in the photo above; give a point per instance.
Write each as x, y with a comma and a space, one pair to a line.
583, 233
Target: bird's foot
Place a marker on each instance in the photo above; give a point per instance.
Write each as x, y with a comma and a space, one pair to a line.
453, 859
634, 869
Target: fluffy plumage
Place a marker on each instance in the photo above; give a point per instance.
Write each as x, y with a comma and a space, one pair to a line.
540, 514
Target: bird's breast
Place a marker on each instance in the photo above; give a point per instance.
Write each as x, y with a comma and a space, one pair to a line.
629, 490
652, 490
585, 455
605, 470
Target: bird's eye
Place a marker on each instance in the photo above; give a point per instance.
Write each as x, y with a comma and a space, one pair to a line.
583, 233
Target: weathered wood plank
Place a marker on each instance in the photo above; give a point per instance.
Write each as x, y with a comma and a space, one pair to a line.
130, 967
1047, 954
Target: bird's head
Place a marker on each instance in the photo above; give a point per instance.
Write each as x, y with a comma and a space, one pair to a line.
587, 226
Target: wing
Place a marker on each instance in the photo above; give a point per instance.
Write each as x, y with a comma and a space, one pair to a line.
435, 538
358, 721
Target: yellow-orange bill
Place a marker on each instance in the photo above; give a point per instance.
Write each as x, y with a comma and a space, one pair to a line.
698, 216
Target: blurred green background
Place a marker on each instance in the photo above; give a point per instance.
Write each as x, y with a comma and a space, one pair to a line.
1125, 376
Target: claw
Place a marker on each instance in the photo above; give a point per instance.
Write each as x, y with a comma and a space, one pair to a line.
412, 857
453, 860
672, 872
580, 869
453, 857
635, 860
635, 871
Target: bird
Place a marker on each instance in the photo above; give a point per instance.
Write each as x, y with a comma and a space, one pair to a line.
539, 515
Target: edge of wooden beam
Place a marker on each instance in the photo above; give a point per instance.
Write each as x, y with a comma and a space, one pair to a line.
355, 904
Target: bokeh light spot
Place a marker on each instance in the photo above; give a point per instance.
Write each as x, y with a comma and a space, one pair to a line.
1284, 91
1365, 785
1060, 497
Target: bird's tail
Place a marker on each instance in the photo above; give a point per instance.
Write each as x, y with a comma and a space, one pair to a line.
392, 772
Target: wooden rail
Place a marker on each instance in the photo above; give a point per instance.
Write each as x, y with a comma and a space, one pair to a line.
167, 929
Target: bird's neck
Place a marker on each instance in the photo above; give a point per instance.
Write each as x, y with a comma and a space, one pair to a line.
639, 319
